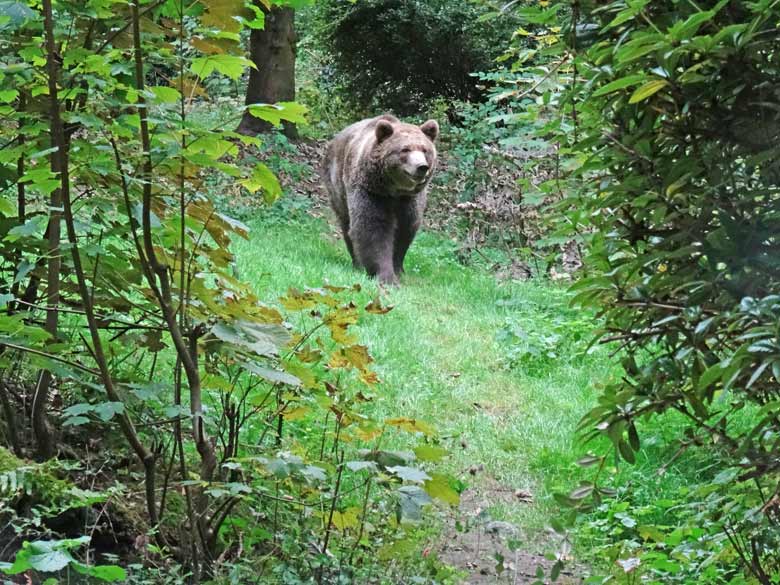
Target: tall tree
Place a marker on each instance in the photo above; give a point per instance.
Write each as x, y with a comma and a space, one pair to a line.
272, 49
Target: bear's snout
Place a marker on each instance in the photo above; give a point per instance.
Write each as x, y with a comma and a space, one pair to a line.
422, 171
417, 165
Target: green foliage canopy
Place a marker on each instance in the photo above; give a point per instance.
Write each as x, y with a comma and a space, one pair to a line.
400, 54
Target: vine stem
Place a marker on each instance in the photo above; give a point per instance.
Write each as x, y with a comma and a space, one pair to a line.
575, 16
333, 503
61, 154
40, 405
159, 271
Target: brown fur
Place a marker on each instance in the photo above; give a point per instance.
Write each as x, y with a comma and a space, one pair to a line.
377, 172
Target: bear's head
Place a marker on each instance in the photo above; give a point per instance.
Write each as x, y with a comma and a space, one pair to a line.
408, 152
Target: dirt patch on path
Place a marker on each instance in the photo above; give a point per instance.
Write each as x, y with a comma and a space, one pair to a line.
489, 551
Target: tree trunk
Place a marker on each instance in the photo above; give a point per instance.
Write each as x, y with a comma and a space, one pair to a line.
272, 49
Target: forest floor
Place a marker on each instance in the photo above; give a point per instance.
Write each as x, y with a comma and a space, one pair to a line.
499, 366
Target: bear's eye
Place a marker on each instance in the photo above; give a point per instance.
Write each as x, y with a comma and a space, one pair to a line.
406, 150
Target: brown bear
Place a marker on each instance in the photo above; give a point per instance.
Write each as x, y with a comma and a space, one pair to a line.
376, 172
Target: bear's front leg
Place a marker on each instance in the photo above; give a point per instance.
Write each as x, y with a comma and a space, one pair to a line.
407, 223
372, 231
374, 251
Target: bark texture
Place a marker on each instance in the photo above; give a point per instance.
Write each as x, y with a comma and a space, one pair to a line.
272, 50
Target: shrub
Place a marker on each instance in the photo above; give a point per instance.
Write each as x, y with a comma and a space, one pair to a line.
669, 126
400, 54
231, 437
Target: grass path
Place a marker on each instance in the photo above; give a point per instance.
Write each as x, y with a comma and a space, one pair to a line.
508, 428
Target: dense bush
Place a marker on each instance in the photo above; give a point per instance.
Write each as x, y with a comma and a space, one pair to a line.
400, 54
668, 124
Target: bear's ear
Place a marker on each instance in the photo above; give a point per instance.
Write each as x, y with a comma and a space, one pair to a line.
384, 130
431, 129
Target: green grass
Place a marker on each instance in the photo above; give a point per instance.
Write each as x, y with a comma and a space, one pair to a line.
468, 353
438, 356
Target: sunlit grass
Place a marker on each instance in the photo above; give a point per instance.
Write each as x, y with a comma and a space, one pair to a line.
439, 359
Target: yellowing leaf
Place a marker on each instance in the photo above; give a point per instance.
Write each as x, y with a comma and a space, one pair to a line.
296, 300
368, 431
339, 320
221, 14
368, 377
338, 361
189, 86
678, 184
375, 307
296, 413
648, 89
349, 518
358, 356
308, 355
304, 374
411, 425
206, 46
430, 452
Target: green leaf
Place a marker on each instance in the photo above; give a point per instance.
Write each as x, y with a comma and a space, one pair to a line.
361, 465
16, 13
589, 460
711, 375
273, 376
50, 561
107, 410
77, 409
631, 11
263, 178
411, 474
7, 207
582, 492
263, 339
757, 374
8, 95
648, 89
633, 437
109, 573
555, 572
32, 227
21, 562
411, 500
232, 66
618, 84
430, 452
275, 113
388, 459
438, 487
165, 94
626, 452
